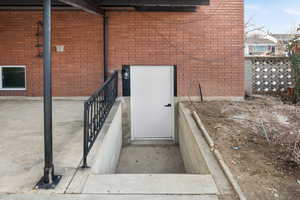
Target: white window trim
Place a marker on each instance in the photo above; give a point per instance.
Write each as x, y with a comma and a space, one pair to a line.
8, 89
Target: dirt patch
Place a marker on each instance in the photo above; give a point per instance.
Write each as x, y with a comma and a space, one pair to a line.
257, 139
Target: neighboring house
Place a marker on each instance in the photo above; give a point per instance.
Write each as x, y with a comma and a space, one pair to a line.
259, 46
282, 42
268, 45
191, 34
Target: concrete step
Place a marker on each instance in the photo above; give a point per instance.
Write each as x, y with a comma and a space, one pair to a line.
151, 184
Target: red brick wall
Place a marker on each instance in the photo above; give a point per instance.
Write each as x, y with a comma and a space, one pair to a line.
76, 72
206, 46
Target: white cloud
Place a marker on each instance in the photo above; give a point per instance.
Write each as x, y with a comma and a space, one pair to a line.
253, 7
292, 11
256, 9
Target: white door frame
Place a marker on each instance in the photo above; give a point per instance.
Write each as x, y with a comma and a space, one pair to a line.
173, 82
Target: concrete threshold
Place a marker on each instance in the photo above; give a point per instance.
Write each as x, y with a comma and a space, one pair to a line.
153, 142
151, 184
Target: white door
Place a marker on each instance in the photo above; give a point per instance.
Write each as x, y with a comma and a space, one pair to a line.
152, 102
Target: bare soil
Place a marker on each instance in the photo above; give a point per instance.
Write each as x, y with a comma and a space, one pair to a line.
257, 139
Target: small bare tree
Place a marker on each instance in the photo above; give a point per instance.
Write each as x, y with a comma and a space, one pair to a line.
252, 28
294, 56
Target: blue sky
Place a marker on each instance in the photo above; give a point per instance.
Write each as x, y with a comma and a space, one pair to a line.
277, 16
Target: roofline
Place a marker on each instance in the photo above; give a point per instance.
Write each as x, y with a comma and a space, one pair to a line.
261, 44
108, 8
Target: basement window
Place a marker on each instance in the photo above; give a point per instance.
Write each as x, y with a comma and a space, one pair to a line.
12, 77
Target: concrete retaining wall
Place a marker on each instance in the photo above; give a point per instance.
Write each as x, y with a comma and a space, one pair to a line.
126, 120
108, 148
126, 116
193, 159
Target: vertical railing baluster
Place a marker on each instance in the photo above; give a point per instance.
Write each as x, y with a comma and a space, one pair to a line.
93, 119
98, 115
117, 85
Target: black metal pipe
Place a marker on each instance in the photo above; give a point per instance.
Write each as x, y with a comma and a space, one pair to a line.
175, 80
105, 46
49, 180
47, 92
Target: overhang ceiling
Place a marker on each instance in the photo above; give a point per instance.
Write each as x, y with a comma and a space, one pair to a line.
113, 3
30, 3
152, 2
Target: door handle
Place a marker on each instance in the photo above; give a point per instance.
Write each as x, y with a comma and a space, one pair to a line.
168, 105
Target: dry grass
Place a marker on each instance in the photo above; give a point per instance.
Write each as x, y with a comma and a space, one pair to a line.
266, 117
260, 141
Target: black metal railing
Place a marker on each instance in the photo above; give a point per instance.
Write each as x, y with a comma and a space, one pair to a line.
96, 110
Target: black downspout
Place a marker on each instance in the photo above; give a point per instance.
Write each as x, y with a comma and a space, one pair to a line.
49, 180
105, 46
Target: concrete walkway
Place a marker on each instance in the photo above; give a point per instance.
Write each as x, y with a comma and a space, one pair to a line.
105, 197
21, 163
21, 143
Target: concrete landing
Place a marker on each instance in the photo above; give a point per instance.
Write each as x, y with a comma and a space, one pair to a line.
150, 159
151, 184
22, 142
105, 197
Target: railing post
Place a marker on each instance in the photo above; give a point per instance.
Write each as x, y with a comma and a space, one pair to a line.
85, 135
117, 84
